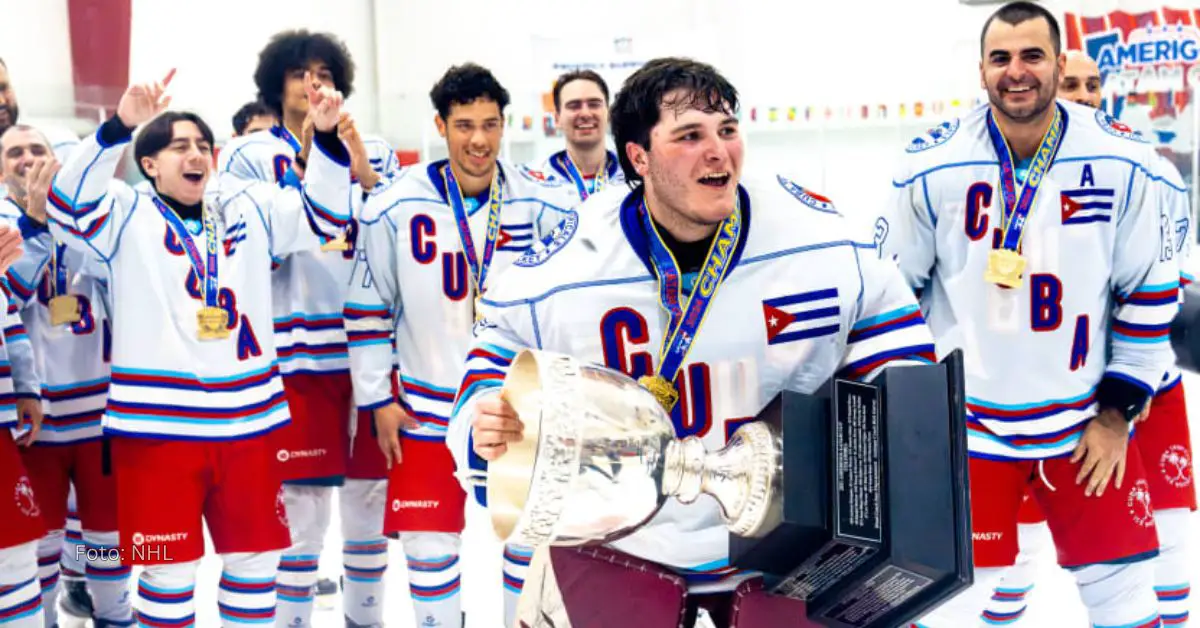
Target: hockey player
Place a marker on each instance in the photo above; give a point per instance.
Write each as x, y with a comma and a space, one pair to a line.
1163, 440
1031, 230
436, 238
309, 291
20, 593
581, 111
65, 314
254, 116
189, 412
715, 291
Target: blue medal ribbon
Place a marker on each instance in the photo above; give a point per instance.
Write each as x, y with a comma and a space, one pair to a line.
1016, 209
685, 319
495, 199
60, 269
567, 165
205, 267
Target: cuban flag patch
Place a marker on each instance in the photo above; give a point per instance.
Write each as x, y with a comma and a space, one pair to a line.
1087, 205
802, 316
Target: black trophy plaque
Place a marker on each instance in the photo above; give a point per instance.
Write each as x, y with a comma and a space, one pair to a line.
876, 527
1185, 331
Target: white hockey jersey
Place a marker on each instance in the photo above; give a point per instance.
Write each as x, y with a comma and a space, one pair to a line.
419, 289
166, 381
8, 397
559, 166
71, 360
1100, 278
19, 350
802, 301
1176, 202
308, 287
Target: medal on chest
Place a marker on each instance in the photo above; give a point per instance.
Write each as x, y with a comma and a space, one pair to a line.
212, 321
1005, 264
684, 319
64, 307
477, 265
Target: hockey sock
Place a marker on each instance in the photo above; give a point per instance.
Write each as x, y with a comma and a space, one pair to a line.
165, 596
20, 590
246, 596
516, 564
1011, 595
1172, 583
433, 577
49, 553
107, 579
1119, 595
308, 515
72, 553
364, 551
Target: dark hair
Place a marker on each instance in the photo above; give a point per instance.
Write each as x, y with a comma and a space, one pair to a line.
577, 75
1015, 13
291, 50
636, 109
158, 134
248, 112
463, 85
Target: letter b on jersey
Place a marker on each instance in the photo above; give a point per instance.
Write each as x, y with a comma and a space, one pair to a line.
1045, 302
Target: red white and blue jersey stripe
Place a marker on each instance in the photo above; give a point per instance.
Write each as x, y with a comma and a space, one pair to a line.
803, 301
1097, 296
8, 397
166, 381
415, 286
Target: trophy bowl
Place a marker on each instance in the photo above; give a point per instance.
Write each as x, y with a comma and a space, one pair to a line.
599, 458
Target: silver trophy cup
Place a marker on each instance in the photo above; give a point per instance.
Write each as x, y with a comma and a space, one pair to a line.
599, 458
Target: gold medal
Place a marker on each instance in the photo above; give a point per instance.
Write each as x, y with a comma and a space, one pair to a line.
478, 309
1004, 268
662, 390
213, 323
337, 244
64, 309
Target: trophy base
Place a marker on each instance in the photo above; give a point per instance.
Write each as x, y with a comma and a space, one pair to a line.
875, 529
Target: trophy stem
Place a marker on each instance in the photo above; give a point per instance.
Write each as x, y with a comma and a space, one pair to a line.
683, 471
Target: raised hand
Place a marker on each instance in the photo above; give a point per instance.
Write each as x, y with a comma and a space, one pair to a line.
324, 104
360, 161
41, 174
142, 101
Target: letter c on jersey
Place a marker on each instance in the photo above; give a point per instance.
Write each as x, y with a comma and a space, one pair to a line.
979, 197
618, 327
420, 228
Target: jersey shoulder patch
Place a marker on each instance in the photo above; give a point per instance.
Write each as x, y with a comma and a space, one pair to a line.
537, 176
934, 136
543, 250
812, 199
1112, 126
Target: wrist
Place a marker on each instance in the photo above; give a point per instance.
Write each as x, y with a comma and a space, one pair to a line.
1121, 397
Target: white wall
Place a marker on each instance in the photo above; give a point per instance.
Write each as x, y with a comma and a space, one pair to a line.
215, 74
777, 52
35, 44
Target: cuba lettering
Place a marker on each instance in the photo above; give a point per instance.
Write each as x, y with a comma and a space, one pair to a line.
422, 230
622, 330
248, 345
